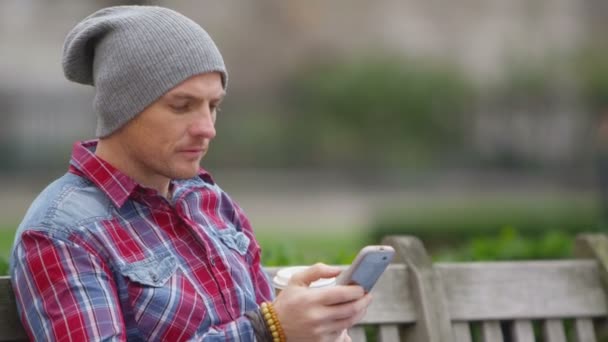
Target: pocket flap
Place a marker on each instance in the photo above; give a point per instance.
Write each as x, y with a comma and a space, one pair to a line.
154, 271
234, 239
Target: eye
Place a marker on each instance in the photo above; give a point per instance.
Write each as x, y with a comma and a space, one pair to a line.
179, 107
215, 108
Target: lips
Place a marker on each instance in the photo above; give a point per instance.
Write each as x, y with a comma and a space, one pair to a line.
192, 153
192, 150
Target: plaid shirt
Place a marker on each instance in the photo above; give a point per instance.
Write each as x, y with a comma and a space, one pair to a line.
99, 257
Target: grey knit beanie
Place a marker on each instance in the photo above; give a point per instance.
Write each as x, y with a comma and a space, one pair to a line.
133, 55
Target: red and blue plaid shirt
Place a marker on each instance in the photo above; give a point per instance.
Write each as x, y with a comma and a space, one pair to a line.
99, 257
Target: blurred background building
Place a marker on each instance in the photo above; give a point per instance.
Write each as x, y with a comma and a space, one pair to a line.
341, 111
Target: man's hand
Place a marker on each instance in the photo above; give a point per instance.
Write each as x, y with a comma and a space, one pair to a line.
344, 337
309, 314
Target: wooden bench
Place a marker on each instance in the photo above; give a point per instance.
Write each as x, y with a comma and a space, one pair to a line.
418, 301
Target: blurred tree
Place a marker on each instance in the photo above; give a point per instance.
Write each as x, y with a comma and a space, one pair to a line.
376, 113
593, 71
9, 115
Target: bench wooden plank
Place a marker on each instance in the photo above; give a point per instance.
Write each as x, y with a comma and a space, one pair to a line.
486, 292
357, 334
10, 325
595, 247
522, 331
462, 332
584, 331
426, 286
527, 290
553, 331
388, 333
491, 332
392, 301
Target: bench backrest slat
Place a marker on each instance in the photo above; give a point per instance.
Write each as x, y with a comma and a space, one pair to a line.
527, 290
522, 331
462, 332
584, 331
553, 330
10, 325
491, 332
389, 333
357, 334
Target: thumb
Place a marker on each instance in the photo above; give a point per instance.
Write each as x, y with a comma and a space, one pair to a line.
314, 272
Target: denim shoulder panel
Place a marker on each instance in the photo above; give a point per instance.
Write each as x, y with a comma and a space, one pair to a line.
67, 202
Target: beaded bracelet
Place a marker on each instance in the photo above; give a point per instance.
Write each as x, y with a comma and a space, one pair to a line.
272, 321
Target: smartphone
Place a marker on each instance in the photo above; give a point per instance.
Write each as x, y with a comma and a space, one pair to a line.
367, 267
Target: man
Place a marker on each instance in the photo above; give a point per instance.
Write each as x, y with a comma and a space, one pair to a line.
136, 242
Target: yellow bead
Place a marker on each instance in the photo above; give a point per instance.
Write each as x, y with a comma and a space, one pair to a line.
275, 334
272, 328
267, 315
271, 321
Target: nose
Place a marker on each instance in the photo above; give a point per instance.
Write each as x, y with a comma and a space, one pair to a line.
203, 125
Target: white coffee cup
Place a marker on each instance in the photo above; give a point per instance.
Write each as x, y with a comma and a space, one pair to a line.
281, 279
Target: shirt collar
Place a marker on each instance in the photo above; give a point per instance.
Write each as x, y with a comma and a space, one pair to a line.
115, 184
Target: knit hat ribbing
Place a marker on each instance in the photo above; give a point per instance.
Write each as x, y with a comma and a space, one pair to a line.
133, 55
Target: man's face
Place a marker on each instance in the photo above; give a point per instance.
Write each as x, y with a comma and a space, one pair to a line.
170, 137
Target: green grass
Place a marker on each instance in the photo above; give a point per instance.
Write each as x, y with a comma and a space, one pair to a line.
6, 241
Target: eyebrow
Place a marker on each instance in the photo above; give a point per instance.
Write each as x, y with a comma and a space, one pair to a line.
188, 96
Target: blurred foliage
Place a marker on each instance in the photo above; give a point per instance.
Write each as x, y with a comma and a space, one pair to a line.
376, 112
473, 231
525, 85
6, 240
3, 267
591, 65
509, 244
307, 249
454, 223
47, 158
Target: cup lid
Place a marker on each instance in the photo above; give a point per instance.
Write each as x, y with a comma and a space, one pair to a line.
282, 277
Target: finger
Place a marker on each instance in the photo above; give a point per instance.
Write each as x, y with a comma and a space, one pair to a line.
347, 310
343, 336
340, 294
315, 272
346, 323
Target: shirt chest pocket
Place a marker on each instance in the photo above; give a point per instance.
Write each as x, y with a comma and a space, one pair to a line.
237, 241
157, 288
154, 271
